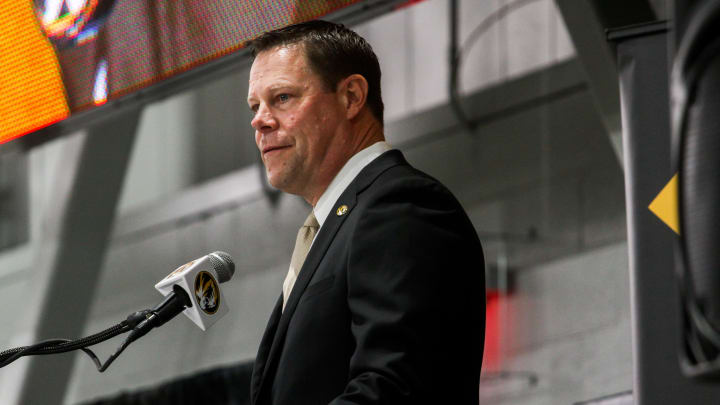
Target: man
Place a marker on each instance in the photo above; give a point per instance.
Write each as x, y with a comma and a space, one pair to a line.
388, 306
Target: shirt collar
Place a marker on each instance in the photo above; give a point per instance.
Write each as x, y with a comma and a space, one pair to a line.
345, 176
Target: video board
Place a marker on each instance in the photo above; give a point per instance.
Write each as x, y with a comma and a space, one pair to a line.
62, 57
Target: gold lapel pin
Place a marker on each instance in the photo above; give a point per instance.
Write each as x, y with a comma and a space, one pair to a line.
342, 210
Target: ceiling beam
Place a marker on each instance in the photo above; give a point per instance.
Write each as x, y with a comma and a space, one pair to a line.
587, 22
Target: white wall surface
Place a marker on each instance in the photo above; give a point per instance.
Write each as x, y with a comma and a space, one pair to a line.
412, 46
162, 160
569, 325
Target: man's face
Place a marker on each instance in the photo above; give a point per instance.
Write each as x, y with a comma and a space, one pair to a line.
296, 119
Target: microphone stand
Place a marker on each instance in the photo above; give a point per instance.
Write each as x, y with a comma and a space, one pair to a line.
138, 323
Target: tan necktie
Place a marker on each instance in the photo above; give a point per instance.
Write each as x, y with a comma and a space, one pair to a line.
305, 236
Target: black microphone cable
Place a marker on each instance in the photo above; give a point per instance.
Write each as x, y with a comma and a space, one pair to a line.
54, 346
138, 323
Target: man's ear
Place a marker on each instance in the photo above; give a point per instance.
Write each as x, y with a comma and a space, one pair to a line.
353, 91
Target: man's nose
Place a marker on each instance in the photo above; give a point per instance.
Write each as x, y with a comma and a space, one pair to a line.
264, 121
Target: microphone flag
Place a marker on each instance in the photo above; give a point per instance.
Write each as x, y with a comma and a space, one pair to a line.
199, 279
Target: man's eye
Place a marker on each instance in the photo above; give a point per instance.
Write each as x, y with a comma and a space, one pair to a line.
283, 97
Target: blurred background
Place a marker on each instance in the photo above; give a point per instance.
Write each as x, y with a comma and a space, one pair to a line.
148, 172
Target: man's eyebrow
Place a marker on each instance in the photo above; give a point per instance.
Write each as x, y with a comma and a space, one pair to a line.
277, 87
272, 88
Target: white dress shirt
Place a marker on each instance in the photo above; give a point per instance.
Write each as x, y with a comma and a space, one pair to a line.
326, 201
344, 177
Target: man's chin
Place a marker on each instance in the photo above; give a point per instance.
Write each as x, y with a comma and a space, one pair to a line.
272, 181
277, 181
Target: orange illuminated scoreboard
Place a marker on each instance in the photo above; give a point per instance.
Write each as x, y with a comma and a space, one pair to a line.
62, 57
32, 95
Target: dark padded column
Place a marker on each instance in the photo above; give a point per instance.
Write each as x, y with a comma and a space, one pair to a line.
643, 68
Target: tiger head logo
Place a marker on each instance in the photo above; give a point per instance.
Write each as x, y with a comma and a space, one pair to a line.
207, 293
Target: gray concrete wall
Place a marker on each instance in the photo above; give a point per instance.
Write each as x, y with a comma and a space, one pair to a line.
539, 164
568, 326
412, 46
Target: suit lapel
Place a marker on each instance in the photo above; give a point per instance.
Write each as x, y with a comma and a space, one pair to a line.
264, 349
317, 252
319, 247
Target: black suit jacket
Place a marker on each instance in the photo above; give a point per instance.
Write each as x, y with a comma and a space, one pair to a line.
389, 306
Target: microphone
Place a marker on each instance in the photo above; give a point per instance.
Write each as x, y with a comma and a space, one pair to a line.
191, 288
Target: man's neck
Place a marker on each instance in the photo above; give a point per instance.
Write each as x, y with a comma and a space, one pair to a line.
345, 177
366, 132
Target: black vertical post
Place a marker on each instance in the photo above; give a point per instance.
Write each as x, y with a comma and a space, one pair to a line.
643, 66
